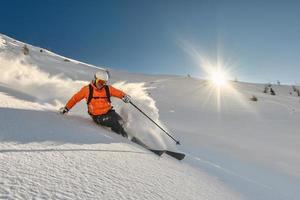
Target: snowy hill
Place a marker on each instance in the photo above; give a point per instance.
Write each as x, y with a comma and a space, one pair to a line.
236, 148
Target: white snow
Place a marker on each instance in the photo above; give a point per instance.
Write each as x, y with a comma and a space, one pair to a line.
236, 148
2, 43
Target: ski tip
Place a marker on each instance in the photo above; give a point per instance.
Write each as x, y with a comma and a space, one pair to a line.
177, 155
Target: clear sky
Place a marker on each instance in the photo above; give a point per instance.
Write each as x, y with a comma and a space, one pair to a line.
258, 39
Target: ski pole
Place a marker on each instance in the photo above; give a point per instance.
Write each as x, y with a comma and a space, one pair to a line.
177, 141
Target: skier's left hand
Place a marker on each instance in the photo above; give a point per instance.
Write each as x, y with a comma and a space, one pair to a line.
63, 110
126, 98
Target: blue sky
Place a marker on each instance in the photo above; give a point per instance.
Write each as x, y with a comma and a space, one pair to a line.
259, 40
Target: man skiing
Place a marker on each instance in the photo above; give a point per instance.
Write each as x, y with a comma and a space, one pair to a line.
97, 95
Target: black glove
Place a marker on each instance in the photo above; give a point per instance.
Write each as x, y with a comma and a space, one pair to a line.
126, 98
63, 110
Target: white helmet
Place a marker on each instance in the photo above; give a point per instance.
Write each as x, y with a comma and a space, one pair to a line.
101, 75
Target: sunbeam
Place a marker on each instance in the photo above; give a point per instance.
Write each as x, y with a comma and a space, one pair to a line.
217, 73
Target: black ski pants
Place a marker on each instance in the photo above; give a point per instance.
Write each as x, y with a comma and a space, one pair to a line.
111, 119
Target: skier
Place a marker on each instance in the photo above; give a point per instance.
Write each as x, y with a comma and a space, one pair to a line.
97, 95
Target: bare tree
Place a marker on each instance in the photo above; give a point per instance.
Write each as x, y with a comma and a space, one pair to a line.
253, 98
272, 91
25, 50
266, 90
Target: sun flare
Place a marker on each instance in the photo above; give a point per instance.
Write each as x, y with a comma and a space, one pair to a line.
219, 78
217, 75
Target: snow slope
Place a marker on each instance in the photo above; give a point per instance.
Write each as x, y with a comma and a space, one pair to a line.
48, 156
51, 158
252, 146
236, 148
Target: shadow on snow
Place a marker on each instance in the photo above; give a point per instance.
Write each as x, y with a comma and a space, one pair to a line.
27, 126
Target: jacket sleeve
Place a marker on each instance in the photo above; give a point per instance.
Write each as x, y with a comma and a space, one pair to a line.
116, 93
76, 98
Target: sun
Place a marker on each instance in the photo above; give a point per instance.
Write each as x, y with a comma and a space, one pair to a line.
219, 78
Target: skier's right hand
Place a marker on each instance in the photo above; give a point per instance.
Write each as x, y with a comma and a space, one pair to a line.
63, 110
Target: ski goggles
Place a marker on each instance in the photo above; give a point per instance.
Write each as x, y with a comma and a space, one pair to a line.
101, 82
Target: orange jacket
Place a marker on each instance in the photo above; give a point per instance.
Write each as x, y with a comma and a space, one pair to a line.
99, 104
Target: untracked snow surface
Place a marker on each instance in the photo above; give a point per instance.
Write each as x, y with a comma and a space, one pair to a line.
235, 148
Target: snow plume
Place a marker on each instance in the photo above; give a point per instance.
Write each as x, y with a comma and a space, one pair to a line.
25, 80
20, 76
136, 123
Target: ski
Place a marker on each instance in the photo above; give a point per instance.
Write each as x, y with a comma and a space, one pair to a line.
139, 142
177, 155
